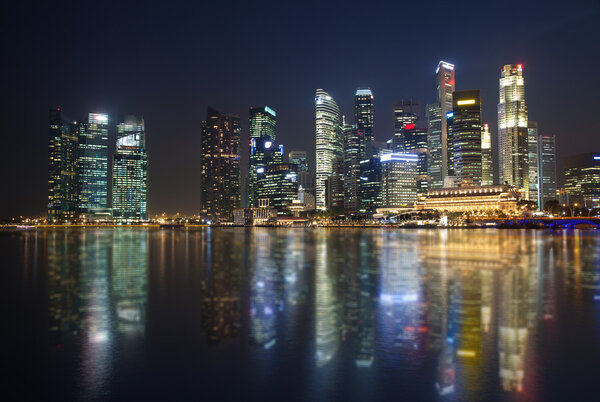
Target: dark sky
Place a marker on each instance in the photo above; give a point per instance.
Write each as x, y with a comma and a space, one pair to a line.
168, 61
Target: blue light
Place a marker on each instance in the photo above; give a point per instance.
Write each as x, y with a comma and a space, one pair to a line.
449, 115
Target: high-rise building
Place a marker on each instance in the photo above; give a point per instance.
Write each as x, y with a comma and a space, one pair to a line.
92, 164
363, 118
329, 141
415, 142
299, 158
353, 143
547, 169
513, 147
370, 184
464, 136
434, 143
532, 156
405, 112
582, 179
335, 185
130, 171
219, 166
398, 180
278, 184
487, 168
262, 150
62, 167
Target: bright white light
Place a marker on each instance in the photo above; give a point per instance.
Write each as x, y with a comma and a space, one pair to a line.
268, 144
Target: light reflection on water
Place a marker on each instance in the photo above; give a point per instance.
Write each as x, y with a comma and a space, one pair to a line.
316, 314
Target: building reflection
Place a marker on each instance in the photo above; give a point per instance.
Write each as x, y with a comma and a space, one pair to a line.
328, 306
368, 250
221, 260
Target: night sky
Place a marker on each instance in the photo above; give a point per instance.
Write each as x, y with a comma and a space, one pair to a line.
169, 61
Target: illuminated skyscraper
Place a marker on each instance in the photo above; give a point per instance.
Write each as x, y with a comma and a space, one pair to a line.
262, 147
464, 136
300, 159
405, 112
278, 183
415, 142
487, 169
370, 184
532, 156
92, 164
547, 169
512, 129
219, 166
363, 118
62, 167
130, 171
582, 179
329, 141
438, 128
334, 186
398, 180
353, 143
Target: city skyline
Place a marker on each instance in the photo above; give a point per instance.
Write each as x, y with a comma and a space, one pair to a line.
173, 130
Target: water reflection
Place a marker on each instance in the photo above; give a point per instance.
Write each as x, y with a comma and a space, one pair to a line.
458, 312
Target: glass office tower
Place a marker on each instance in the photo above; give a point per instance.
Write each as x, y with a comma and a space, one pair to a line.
363, 118
582, 179
405, 112
464, 136
329, 141
353, 144
263, 150
92, 164
130, 171
370, 184
278, 184
219, 166
62, 167
513, 149
415, 142
398, 180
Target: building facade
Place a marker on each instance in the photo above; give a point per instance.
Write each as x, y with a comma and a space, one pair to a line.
353, 144
513, 147
487, 167
399, 180
533, 162
415, 142
582, 179
370, 184
262, 151
363, 118
335, 185
92, 164
329, 141
464, 136
62, 167
489, 199
219, 166
279, 185
547, 169
130, 171
405, 112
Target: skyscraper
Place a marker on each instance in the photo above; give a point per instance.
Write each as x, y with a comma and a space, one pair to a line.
92, 164
513, 147
487, 168
582, 179
130, 171
464, 136
62, 167
219, 166
438, 127
370, 184
353, 144
398, 180
546, 169
532, 157
262, 150
278, 184
329, 141
334, 186
300, 159
405, 112
415, 142
363, 118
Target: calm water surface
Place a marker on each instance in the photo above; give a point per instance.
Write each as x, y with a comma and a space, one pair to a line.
301, 314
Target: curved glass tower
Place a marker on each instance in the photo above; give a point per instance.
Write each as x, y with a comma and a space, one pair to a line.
329, 141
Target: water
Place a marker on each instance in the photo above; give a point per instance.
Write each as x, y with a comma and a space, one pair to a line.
300, 314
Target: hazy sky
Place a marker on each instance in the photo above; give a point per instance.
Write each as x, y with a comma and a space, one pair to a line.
169, 61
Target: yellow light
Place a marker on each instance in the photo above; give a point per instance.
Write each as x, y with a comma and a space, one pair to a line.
466, 102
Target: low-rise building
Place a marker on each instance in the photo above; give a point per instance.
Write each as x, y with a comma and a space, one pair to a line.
470, 199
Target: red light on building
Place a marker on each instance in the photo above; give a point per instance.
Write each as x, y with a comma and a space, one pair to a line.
409, 126
520, 66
